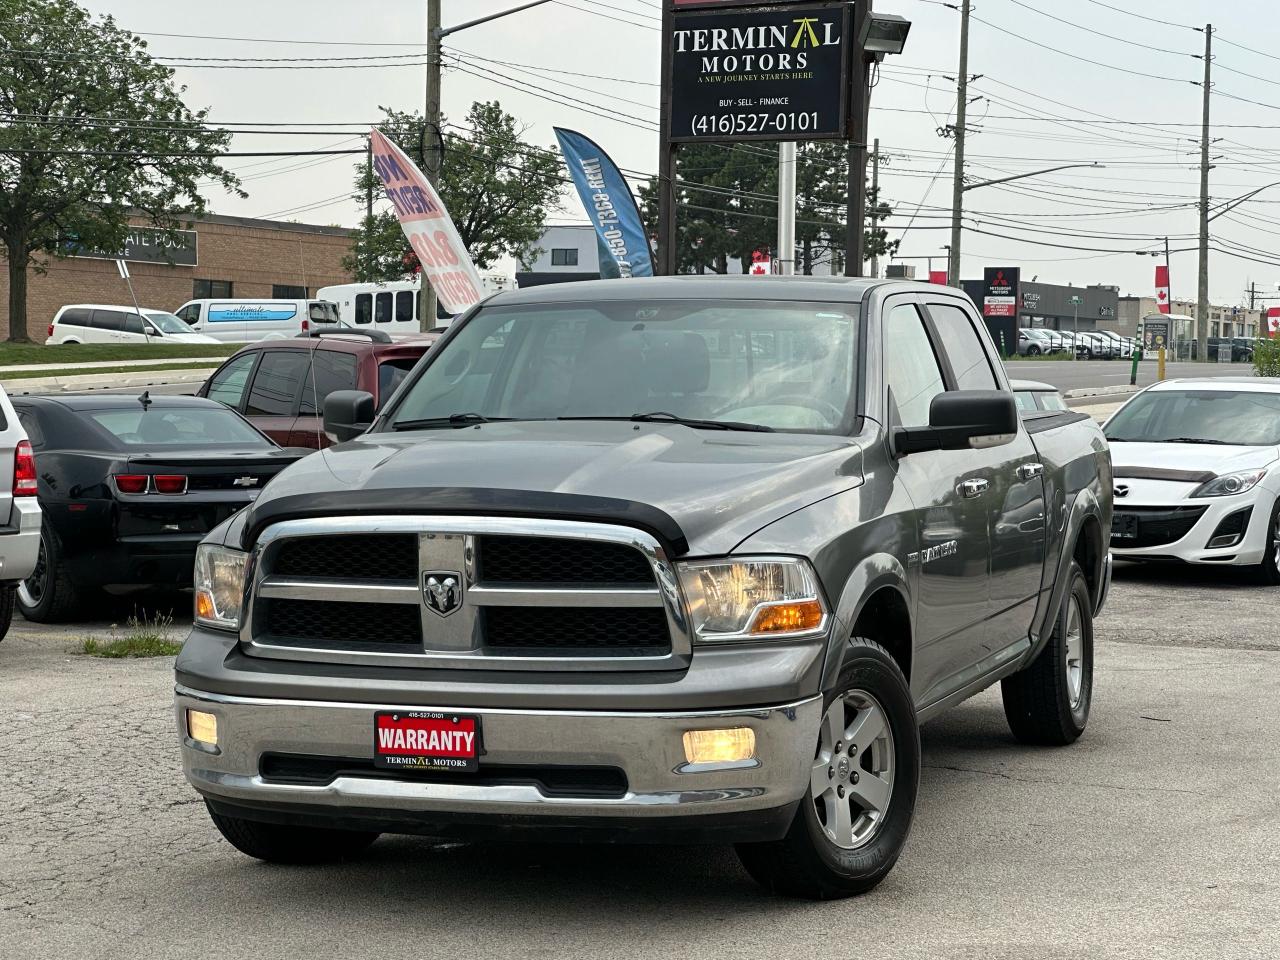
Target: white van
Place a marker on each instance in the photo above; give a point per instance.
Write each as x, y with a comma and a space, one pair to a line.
392, 307
106, 323
247, 321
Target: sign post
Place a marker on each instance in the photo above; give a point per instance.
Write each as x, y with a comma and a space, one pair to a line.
123, 269
1075, 324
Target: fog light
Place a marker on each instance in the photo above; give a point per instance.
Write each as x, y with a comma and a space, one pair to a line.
720, 746
202, 727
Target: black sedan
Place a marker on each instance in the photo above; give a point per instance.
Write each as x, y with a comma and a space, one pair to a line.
128, 486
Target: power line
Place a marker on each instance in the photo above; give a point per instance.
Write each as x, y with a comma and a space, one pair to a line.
1080, 26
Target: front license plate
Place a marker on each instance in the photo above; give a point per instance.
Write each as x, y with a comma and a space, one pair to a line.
422, 740
1124, 526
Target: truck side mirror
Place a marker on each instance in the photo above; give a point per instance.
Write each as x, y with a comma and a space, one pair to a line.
347, 414
962, 420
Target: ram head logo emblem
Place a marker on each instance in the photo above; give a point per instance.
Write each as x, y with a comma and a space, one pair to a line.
442, 591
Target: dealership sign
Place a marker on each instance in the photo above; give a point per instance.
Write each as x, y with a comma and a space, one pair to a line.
146, 245
1000, 292
775, 74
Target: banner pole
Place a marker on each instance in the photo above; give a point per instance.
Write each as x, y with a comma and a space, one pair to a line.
667, 160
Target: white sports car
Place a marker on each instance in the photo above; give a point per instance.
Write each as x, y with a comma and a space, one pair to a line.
1197, 474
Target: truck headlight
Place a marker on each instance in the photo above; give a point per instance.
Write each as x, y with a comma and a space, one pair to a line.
753, 599
1230, 484
219, 583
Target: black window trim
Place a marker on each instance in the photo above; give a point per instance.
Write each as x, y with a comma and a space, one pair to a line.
297, 392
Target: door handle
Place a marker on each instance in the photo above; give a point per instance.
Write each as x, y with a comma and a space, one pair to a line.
972, 489
1029, 471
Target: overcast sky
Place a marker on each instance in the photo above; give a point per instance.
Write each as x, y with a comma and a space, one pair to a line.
1027, 90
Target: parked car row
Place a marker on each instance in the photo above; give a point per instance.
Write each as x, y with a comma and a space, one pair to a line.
1087, 344
196, 321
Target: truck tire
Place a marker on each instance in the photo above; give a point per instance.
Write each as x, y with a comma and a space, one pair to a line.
48, 595
286, 844
1269, 569
6, 609
1047, 702
845, 839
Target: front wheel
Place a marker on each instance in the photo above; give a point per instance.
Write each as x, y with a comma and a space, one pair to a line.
288, 844
856, 813
1033, 351
1048, 702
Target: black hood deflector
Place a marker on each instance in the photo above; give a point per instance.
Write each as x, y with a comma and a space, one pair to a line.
468, 501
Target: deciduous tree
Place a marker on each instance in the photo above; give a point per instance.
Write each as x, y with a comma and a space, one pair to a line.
92, 131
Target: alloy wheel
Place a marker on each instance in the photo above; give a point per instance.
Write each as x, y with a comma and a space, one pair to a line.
852, 780
1275, 542
1075, 652
31, 590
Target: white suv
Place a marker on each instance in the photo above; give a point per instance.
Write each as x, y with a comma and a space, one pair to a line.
104, 323
19, 510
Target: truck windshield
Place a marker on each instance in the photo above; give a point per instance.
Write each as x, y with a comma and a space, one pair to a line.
1246, 418
775, 364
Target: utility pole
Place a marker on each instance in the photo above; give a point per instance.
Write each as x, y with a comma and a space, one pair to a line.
667, 158
957, 186
875, 204
431, 140
786, 253
1202, 297
1253, 296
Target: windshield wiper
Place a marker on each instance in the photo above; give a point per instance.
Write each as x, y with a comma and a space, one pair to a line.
663, 417
1216, 443
453, 420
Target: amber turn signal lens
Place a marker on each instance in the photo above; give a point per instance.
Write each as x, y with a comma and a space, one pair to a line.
788, 617
202, 727
720, 746
204, 605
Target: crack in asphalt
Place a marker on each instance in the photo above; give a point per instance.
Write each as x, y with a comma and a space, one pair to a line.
1125, 788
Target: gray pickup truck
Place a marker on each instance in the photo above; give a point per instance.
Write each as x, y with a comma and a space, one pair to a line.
683, 559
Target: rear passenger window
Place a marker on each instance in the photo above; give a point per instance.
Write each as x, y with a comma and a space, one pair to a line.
404, 306
276, 383
331, 371
364, 307
74, 318
963, 348
107, 320
911, 370
382, 308
30, 423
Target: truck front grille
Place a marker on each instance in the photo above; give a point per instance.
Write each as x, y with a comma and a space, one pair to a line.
471, 593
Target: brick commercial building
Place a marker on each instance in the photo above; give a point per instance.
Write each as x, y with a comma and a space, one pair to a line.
215, 257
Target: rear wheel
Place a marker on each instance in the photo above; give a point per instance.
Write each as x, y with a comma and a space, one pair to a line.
282, 843
856, 813
48, 595
1269, 569
1033, 351
1048, 701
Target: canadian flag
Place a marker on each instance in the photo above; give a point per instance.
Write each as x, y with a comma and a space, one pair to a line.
1273, 322
1162, 288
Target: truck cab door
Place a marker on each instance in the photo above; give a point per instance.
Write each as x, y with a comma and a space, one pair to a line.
1013, 499
947, 558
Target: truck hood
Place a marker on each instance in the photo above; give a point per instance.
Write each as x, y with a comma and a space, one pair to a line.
1157, 474
718, 486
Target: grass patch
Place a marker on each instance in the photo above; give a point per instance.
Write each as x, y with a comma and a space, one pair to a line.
94, 371
15, 354
147, 637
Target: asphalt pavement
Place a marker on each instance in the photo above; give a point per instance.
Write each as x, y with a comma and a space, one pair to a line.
1155, 836
1078, 374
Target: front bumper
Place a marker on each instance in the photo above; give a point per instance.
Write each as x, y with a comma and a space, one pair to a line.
662, 796
20, 540
1192, 546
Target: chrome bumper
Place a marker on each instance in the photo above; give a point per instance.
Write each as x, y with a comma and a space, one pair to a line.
647, 747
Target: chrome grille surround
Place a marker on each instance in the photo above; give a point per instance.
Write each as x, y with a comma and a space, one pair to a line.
456, 642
